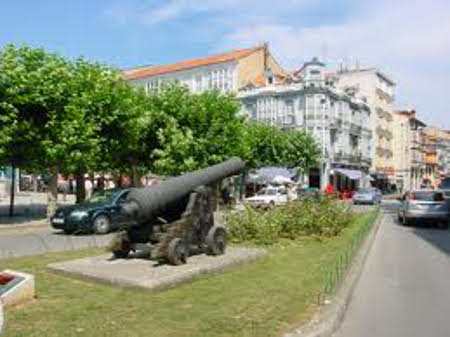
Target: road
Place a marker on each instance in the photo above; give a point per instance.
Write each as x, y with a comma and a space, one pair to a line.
404, 287
39, 240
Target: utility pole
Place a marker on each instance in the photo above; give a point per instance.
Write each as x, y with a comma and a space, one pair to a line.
12, 191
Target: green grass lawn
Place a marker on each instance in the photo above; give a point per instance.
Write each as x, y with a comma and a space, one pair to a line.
264, 298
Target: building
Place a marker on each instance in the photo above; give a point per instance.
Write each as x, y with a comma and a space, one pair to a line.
417, 152
227, 72
378, 89
408, 152
338, 120
436, 146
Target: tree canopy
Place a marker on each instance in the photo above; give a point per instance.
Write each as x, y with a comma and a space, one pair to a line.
78, 116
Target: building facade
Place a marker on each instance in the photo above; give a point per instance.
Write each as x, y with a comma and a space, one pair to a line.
379, 92
337, 119
417, 152
226, 72
436, 148
408, 150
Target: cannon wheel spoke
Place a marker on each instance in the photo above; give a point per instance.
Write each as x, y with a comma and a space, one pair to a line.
177, 253
216, 240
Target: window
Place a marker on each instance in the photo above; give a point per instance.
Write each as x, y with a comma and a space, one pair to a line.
198, 83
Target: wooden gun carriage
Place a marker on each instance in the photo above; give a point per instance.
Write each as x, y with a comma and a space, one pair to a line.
175, 218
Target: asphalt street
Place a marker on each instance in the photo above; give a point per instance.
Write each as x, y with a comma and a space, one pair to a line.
39, 240
404, 287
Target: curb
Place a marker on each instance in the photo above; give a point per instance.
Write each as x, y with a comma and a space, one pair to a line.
329, 318
29, 224
2, 320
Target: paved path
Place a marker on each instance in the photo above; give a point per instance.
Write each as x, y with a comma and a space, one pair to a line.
404, 287
32, 241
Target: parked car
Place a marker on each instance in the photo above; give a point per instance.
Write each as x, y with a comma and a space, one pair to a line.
268, 197
99, 214
309, 192
367, 196
421, 205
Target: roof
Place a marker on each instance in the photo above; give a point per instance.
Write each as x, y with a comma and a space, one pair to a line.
378, 72
142, 72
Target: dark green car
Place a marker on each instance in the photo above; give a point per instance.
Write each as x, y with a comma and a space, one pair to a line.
99, 214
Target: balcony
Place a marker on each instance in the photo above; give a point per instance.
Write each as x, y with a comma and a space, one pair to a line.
385, 96
336, 123
381, 132
355, 129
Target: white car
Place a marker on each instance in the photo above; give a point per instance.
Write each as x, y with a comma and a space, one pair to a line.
268, 197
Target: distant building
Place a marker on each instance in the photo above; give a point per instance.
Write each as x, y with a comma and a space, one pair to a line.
227, 72
379, 91
408, 152
337, 119
436, 146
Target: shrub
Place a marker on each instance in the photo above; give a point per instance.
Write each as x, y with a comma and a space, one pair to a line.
324, 217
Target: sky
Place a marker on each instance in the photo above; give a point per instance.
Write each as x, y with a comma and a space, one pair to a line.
407, 39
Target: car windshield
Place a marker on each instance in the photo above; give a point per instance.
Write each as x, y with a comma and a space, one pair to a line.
102, 196
365, 190
426, 196
268, 191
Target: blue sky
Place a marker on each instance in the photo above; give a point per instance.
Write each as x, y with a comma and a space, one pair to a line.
408, 39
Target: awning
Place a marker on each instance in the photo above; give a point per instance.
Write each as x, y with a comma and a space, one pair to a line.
352, 174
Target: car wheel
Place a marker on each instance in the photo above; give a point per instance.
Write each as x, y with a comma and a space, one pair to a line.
405, 221
101, 224
443, 224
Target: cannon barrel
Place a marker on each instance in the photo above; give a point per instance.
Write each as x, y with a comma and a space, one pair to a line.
142, 203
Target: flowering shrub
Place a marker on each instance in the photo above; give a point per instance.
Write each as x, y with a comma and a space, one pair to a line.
307, 217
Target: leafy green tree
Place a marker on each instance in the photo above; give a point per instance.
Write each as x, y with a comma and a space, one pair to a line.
266, 145
271, 146
301, 150
36, 87
202, 129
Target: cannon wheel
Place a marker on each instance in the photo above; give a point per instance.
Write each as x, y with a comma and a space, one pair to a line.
177, 252
122, 245
216, 240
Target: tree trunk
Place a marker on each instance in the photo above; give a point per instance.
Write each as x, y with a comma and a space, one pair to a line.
101, 183
118, 180
135, 177
12, 192
80, 188
52, 193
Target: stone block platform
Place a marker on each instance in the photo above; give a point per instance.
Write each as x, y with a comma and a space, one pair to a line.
144, 273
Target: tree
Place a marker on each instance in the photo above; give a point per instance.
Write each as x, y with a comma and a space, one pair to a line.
35, 87
301, 150
271, 146
266, 144
202, 129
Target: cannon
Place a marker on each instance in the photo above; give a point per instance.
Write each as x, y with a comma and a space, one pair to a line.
175, 218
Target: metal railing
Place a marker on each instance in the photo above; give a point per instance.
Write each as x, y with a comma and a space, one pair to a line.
336, 271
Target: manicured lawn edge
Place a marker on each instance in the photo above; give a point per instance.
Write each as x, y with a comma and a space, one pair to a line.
334, 305
265, 298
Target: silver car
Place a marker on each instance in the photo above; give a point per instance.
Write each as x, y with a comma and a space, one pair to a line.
421, 205
367, 196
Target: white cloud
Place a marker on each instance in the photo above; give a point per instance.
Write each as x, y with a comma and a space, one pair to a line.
409, 40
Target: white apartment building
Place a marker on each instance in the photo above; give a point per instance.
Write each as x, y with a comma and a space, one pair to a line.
337, 119
379, 91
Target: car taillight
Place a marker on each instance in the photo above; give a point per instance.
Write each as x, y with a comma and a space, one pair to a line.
439, 197
413, 196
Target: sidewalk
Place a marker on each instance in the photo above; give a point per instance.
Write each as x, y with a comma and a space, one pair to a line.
29, 209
